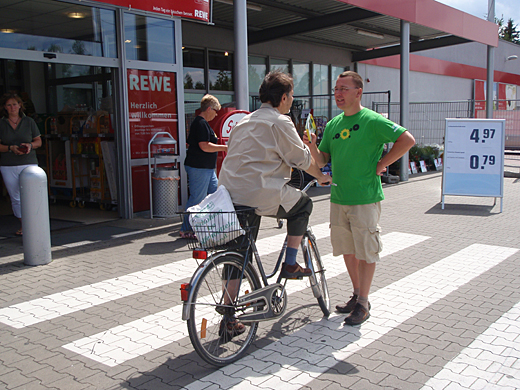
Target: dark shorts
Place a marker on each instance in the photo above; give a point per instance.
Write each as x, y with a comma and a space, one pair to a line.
297, 217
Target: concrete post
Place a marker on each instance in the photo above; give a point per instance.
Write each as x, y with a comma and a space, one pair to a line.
490, 66
241, 53
35, 216
405, 97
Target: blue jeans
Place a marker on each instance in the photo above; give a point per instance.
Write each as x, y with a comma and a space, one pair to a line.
202, 182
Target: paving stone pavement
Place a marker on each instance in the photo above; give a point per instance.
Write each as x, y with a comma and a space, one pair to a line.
105, 313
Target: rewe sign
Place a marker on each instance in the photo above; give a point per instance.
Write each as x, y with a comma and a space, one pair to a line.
190, 9
149, 83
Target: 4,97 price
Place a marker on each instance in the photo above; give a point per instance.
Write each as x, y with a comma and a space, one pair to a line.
486, 134
474, 161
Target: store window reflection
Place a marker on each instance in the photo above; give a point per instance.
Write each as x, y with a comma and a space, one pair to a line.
149, 39
301, 76
336, 71
256, 71
320, 79
281, 65
193, 61
10, 76
220, 71
75, 87
64, 28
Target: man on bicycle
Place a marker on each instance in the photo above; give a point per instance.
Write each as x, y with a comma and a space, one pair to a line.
262, 149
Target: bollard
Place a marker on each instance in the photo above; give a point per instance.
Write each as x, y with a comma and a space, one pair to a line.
35, 216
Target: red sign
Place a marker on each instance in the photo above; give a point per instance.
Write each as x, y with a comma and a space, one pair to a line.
222, 125
502, 102
190, 9
499, 93
480, 95
152, 106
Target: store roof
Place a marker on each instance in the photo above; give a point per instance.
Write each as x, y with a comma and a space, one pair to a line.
369, 28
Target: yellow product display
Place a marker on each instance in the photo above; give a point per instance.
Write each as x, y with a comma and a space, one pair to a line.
88, 148
310, 126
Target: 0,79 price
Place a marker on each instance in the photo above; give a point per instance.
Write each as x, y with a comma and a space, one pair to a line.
486, 134
476, 162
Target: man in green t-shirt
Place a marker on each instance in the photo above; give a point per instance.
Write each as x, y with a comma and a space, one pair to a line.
353, 141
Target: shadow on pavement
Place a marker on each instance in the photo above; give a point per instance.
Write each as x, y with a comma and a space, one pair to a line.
181, 371
93, 238
465, 209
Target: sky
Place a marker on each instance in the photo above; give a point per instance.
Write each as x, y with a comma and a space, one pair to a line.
510, 9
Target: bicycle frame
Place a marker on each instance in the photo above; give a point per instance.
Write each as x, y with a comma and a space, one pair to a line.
228, 296
251, 251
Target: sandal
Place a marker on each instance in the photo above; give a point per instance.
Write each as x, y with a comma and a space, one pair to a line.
230, 328
19, 232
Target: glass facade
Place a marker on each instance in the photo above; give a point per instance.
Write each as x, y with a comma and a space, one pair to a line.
193, 64
301, 77
58, 27
320, 79
149, 39
220, 72
206, 71
70, 86
257, 69
336, 71
281, 65
10, 76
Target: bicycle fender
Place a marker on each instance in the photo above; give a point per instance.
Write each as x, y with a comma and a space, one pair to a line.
195, 278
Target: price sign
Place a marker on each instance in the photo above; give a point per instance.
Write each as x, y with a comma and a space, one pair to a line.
473, 157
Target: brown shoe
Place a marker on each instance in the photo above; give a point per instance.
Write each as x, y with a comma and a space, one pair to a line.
294, 271
349, 306
358, 315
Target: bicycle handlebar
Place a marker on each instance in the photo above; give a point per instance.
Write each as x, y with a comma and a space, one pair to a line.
309, 185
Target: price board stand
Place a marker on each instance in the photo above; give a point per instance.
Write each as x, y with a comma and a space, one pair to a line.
474, 158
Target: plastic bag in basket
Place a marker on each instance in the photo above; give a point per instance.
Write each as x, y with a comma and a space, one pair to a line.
214, 220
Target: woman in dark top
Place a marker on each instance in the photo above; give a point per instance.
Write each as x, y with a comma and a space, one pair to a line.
201, 158
19, 136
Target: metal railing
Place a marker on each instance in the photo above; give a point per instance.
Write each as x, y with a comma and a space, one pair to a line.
428, 119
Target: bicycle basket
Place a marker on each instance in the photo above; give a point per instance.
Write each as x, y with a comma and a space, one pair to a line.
219, 230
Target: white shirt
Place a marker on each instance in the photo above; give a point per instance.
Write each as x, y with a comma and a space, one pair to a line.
262, 148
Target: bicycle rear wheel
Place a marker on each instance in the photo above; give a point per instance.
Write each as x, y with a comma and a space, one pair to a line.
317, 280
212, 310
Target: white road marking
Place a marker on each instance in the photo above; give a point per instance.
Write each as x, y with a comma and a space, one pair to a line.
128, 341
55, 305
491, 361
306, 354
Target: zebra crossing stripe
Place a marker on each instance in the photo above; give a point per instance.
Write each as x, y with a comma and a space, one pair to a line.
128, 341
491, 361
81, 298
312, 350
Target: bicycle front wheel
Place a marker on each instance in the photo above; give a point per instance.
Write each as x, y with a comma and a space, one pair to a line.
297, 179
212, 326
317, 279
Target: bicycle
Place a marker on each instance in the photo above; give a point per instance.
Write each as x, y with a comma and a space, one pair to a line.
226, 288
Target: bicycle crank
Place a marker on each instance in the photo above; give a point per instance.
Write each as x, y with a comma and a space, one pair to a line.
269, 302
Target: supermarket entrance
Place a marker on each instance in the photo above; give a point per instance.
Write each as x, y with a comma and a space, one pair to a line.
73, 106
